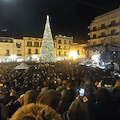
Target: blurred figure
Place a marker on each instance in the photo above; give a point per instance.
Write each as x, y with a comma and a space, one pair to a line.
76, 111
106, 107
50, 97
35, 112
30, 97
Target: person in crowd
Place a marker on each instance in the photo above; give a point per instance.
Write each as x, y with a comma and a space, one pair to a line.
50, 97
30, 97
67, 97
36, 112
76, 111
63, 78
106, 107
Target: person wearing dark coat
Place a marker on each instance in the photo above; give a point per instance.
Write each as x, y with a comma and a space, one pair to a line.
50, 97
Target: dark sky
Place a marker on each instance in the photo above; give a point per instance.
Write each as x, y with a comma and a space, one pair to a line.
68, 17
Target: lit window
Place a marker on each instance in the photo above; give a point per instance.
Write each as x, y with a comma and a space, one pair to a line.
7, 52
36, 51
64, 41
59, 52
64, 53
36, 44
59, 41
59, 47
112, 32
29, 43
29, 51
18, 45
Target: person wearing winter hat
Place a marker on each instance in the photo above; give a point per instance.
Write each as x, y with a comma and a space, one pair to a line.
35, 112
50, 98
77, 111
30, 97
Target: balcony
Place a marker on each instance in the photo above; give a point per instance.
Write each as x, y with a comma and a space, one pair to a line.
36, 46
29, 53
102, 27
94, 38
113, 24
59, 48
116, 33
36, 53
93, 30
102, 36
28, 45
64, 48
19, 54
7, 54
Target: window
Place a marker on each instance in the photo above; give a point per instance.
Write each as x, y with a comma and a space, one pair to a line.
64, 53
36, 44
40, 44
18, 45
102, 34
70, 42
54, 44
29, 43
94, 35
78, 52
36, 51
7, 52
59, 52
59, 41
64, 47
112, 32
59, 47
94, 43
29, 51
64, 41
18, 51
103, 26
103, 41
94, 28
113, 22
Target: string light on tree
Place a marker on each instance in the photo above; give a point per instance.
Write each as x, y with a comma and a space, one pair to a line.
47, 54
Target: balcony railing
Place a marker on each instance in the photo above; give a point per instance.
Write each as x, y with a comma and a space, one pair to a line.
113, 24
65, 48
19, 54
7, 54
59, 48
93, 30
29, 53
29, 45
102, 27
102, 36
116, 33
94, 38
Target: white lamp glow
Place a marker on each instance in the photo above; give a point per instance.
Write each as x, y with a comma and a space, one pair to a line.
73, 55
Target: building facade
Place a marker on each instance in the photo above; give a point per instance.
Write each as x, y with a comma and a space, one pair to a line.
28, 48
79, 48
104, 29
62, 45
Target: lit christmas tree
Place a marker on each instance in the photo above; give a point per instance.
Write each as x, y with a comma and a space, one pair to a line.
47, 54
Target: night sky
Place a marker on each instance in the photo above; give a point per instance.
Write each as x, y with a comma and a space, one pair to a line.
20, 18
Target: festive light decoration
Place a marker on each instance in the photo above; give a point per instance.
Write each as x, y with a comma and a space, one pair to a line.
47, 54
73, 55
96, 58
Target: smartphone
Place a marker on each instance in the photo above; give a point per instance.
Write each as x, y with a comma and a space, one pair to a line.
81, 92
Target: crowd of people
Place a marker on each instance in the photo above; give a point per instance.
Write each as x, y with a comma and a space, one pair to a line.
64, 90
